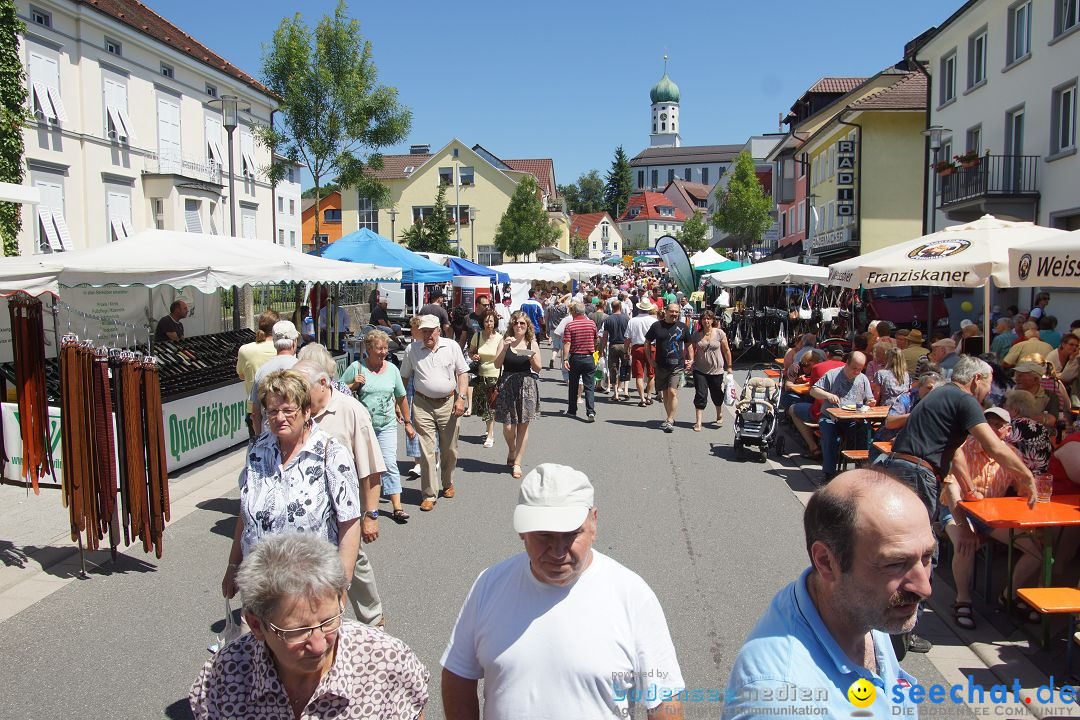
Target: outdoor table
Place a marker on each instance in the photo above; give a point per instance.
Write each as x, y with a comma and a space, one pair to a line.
778, 361
1012, 513
799, 388
884, 446
873, 416
769, 373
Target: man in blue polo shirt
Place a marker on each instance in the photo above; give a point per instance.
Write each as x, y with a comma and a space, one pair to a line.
870, 546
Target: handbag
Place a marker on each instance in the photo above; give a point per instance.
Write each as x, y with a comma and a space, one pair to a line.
229, 633
805, 312
731, 393
723, 299
493, 393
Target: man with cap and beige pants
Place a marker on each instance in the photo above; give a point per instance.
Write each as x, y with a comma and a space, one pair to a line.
284, 336
560, 627
441, 378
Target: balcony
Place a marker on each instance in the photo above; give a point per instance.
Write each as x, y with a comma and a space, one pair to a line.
202, 170
1002, 185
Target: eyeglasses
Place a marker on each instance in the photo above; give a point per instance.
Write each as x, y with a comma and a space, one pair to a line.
272, 413
296, 636
521, 322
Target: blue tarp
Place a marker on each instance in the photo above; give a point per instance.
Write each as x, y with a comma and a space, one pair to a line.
364, 246
461, 266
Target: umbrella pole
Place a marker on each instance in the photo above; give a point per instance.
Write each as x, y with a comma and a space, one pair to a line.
986, 314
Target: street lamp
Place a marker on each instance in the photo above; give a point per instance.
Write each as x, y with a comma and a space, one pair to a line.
472, 232
933, 135
392, 212
811, 219
230, 112
457, 198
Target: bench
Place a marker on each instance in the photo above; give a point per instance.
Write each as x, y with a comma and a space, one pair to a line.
1055, 601
854, 456
774, 374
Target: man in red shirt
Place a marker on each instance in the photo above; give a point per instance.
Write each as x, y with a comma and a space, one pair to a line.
802, 413
579, 343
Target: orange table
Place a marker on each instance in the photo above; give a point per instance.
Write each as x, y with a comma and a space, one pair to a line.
884, 446
769, 373
1012, 513
778, 361
873, 416
799, 388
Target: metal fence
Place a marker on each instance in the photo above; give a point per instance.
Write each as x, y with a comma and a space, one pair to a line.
284, 297
993, 175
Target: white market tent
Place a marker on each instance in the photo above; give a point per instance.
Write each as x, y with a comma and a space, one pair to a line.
584, 270
527, 272
772, 272
1049, 262
705, 257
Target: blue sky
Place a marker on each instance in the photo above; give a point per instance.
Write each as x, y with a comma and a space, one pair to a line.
570, 80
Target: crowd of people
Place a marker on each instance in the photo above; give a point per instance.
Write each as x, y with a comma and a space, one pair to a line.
963, 426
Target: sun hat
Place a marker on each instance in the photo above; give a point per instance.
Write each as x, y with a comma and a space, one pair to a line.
285, 330
999, 412
429, 322
915, 336
1030, 367
553, 498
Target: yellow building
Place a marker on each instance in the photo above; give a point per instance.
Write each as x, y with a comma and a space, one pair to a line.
479, 188
866, 169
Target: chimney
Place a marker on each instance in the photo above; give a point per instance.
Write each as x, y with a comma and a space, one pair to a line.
422, 149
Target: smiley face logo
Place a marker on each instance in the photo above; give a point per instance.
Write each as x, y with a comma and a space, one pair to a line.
862, 693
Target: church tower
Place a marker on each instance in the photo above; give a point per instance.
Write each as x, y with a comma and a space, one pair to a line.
665, 112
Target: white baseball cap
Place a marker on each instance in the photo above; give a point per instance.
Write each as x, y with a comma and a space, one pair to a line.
284, 329
429, 322
553, 498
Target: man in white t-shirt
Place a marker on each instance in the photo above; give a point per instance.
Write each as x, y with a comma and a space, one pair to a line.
559, 627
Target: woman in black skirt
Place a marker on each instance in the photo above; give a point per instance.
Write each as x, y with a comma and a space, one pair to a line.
518, 400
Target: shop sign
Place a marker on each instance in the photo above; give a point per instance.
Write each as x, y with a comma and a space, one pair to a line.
13, 442
829, 240
845, 178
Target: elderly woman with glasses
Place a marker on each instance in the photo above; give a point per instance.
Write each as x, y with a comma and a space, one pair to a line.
302, 660
296, 479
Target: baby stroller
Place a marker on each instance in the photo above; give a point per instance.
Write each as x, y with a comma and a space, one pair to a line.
755, 417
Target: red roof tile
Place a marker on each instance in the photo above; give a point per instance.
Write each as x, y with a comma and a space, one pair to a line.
543, 169
143, 19
394, 166
648, 204
836, 84
907, 93
584, 223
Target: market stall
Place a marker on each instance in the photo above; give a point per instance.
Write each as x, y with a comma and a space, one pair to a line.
772, 272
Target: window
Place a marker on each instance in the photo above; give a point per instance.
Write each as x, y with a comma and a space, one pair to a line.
977, 58
158, 205
446, 176
118, 204
292, 206
670, 174
117, 121
1066, 15
248, 225
247, 155
292, 175
791, 221
167, 70
465, 175
1019, 32
44, 79
168, 117
192, 216
802, 216
280, 237
705, 176
280, 204
332, 215
113, 47
974, 139
213, 219
654, 128
211, 90
292, 238
40, 17
686, 174
53, 233
604, 231
488, 255
324, 239
369, 214
946, 151
654, 178
640, 179
1063, 119
213, 140
783, 225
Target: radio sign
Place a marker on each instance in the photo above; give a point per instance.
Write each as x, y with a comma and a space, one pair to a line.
845, 178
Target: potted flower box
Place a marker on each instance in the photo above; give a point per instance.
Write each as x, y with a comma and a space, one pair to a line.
944, 168
969, 159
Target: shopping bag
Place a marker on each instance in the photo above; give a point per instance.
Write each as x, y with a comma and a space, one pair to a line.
229, 633
731, 393
723, 299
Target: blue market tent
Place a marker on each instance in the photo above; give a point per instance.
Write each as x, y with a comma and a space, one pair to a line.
364, 245
461, 266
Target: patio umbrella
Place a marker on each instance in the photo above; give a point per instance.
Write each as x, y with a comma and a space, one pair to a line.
967, 256
1050, 262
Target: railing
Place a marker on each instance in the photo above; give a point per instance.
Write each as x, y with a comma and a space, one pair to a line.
1005, 175
164, 165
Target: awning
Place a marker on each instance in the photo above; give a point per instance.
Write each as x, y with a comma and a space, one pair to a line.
364, 246
461, 266
772, 272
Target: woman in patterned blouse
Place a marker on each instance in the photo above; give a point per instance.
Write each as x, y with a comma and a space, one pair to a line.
297, 479
301, 660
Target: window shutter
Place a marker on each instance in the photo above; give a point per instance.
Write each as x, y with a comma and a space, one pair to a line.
42, 102
48, 230
62, 229
191, 216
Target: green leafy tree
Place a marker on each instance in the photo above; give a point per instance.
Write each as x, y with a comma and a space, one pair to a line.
620, 183
323, 191
742, 208
694, 230
525, 226
332, 110
12, 116
579, 247
586, 195
432, 233
571, 196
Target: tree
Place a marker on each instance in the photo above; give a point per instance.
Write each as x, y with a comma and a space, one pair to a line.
620, 182
584, 196
579, 247
331, 107
571, 196
432, 232
323, 192
742, 207
12, 116
692, 235
525, 226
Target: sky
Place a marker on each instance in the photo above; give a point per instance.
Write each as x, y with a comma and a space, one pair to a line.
571, 80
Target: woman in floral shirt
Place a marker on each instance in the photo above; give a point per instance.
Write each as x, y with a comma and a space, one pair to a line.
297, 479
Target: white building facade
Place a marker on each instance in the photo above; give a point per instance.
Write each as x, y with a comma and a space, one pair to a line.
287, 211
125, 133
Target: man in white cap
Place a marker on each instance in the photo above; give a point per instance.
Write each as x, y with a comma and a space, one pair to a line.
559, 627
441, 378
943, 353
284, 335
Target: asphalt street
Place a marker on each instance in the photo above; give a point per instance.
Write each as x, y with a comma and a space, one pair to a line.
715, 538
